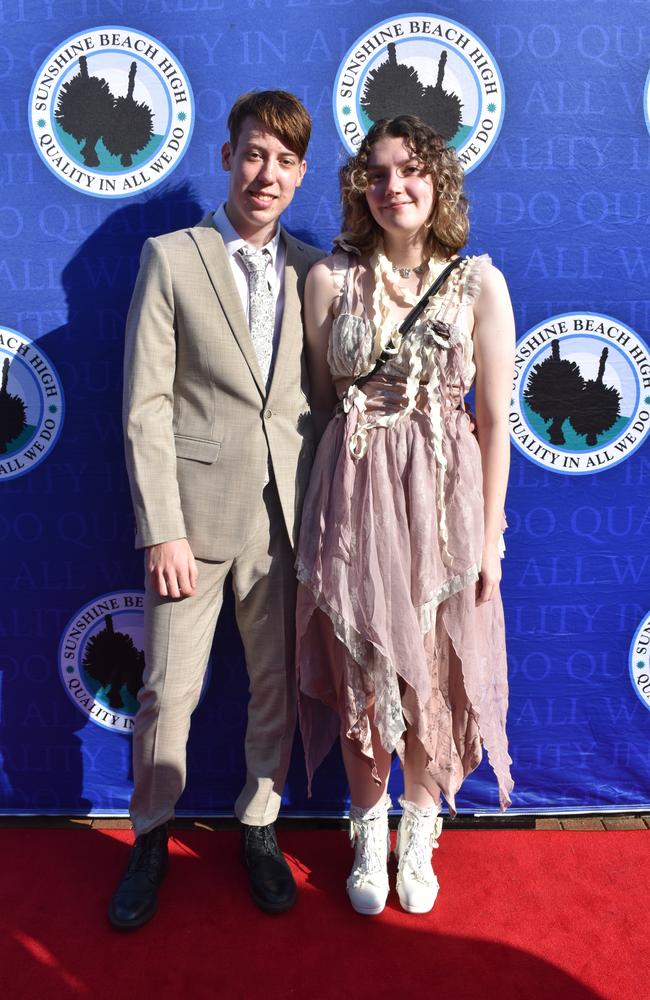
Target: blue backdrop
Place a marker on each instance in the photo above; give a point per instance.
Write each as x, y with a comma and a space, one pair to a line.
559, 198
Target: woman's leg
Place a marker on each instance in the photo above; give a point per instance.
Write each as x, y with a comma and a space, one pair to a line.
418, 785
364, 790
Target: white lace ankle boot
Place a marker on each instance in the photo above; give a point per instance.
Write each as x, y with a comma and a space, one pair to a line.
367, 884
417, 836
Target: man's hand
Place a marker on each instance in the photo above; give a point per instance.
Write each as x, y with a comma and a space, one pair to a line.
172, 569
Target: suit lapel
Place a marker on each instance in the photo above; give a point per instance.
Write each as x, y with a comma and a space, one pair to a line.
215, 259
291, 329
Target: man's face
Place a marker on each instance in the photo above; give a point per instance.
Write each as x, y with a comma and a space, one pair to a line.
264, 174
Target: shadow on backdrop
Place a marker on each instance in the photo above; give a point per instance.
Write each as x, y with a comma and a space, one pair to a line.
54, 758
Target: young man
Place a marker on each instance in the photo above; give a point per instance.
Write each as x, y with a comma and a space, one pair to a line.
218, 445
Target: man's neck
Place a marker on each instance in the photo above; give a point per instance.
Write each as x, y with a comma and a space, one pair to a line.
255, 237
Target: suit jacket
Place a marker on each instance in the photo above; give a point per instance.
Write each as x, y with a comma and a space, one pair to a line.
198, 423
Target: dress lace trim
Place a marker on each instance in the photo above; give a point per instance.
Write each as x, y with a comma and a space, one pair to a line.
390, 719
426, 612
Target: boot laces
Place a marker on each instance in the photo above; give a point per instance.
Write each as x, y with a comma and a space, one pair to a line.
148, 854
262, 839
421, 835
370, 848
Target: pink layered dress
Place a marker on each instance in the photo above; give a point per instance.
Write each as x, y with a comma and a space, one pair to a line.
390, 551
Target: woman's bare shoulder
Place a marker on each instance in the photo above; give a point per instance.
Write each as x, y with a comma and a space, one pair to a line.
326, 270
492, 281
326, 278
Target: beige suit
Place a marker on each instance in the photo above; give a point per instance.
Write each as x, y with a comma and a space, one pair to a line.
199, 430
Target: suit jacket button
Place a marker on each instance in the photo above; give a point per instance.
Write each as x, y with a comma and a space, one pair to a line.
268, 414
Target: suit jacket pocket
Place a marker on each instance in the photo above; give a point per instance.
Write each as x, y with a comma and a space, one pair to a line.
197, 449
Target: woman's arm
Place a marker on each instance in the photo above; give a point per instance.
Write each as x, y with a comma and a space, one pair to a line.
494, 352
320, 294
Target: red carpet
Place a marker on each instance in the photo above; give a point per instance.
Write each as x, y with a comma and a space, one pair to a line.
521, 914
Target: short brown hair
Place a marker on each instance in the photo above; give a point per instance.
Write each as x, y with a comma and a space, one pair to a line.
279, 111
448, 225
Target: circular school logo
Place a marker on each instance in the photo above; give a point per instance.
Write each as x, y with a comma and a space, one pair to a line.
421, 64
31, 405
101, 658
581, 396
111, 112
639, 661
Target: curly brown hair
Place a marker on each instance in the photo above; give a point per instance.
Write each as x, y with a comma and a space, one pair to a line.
448, 224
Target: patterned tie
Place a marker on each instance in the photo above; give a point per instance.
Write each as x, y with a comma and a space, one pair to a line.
261, 307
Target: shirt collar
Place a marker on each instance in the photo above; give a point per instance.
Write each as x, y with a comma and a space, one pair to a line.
233, 241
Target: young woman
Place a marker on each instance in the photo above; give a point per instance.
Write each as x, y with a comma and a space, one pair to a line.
400, 625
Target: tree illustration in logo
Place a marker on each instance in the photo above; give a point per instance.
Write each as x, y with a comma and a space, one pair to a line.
87, 110
392, 89
599, 406
395, 89
130, 126
113, 660
553, 391
83, 110
13, 415
441, 109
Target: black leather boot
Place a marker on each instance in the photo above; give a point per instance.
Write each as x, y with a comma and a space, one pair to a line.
136, 898
271, 882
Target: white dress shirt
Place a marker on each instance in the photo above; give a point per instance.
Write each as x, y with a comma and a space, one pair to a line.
274, 270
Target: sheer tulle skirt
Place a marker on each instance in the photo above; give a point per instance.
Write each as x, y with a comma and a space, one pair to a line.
385, 619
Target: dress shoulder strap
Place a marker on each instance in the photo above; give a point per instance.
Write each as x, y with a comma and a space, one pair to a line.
347, 282
343, 267
471, 287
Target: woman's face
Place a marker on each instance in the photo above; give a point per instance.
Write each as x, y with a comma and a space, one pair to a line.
399, 194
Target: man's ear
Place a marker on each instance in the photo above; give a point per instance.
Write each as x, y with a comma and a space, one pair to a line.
302, 169
226, 155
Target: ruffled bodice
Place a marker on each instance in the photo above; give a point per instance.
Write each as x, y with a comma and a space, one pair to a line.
356, 342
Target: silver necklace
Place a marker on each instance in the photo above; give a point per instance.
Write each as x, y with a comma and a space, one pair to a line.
406, 272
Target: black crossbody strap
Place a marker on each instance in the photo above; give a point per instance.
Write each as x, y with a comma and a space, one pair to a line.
419, 308
414, 314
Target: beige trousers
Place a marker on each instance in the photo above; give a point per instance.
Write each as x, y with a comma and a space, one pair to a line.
178, 639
